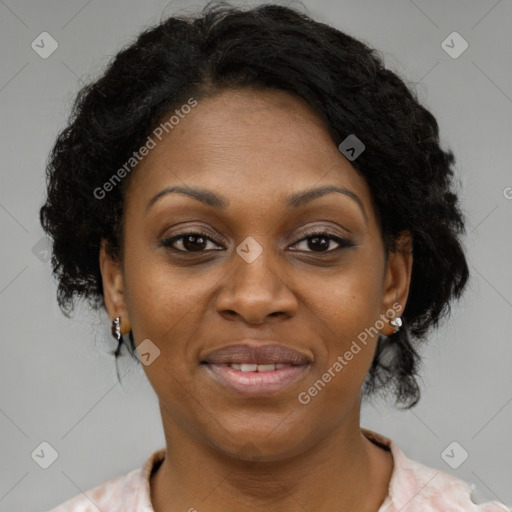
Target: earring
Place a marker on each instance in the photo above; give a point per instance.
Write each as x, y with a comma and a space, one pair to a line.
397, 323
116, 332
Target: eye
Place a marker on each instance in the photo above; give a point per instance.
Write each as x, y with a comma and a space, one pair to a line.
197, 242
321, 241
191, 242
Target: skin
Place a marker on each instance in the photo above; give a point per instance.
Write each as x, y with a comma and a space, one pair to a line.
225, 451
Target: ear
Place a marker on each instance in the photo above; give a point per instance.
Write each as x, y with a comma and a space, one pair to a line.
397, 281
113, 288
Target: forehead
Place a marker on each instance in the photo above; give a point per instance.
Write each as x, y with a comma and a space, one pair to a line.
246, 144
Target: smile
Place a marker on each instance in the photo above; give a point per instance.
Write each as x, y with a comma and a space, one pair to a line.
253, 368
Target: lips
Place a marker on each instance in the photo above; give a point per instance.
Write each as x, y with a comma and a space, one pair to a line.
256, 370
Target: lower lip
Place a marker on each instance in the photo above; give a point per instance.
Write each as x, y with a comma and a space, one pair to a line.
257, 383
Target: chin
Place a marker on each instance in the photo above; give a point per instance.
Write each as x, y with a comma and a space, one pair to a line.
260, 444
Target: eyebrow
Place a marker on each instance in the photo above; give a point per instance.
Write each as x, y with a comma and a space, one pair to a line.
216, 201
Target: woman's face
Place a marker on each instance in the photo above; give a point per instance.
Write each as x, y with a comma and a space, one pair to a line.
252, 276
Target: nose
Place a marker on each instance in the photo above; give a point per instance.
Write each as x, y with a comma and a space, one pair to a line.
256, 292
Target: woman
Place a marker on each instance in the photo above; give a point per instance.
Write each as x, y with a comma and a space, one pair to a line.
267, 216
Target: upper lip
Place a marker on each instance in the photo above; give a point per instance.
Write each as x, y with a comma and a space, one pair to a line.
246, 353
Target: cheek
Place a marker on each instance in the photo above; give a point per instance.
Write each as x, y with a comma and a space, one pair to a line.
165, 305
347, 315
350, 300
158, 295
168, 305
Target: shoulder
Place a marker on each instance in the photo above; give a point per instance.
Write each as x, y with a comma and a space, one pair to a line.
101, 496
129, 492
418, 488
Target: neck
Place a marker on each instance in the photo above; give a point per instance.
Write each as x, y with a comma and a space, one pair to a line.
342, 471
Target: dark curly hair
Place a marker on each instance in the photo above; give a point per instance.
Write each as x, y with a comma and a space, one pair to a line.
265, 47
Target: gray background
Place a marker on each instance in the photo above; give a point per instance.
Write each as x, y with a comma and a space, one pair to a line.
57, 381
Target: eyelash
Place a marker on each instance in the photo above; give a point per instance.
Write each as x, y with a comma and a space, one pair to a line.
342, 242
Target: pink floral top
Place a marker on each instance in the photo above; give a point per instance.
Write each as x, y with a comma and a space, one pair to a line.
413, 488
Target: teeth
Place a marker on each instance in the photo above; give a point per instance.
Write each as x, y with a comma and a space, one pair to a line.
249, 367
257, 367
266, 367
